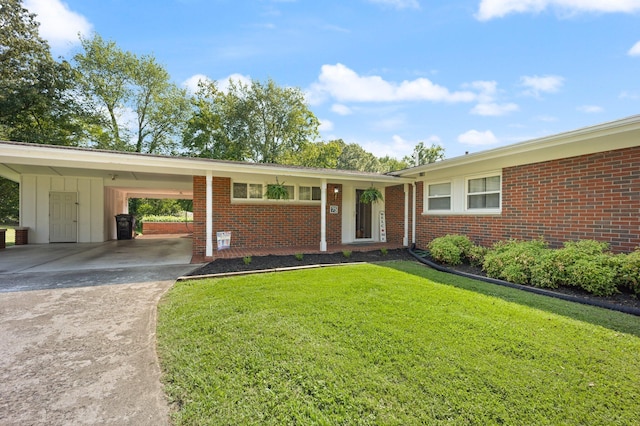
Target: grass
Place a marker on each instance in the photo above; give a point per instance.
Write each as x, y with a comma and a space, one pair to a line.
395, 343
10, 236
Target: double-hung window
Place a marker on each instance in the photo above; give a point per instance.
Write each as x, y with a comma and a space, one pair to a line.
439, 197
483, 193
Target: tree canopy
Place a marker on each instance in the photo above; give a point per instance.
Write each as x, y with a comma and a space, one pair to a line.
36, 100
123, 85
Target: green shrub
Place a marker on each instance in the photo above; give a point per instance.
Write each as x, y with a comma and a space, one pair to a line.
628, 271
164, 218
346, 253
299, 256
247, 260
384, 251
450, 249
476, 255
588, 247
512, 260
593, 274
549, 270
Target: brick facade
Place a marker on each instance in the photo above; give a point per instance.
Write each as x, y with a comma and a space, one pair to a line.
593, 196
262, 225
158, 228
394, 212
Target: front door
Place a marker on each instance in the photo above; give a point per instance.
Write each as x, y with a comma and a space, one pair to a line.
63, 217
363, 217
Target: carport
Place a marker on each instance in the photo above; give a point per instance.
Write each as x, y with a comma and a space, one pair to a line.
71, 195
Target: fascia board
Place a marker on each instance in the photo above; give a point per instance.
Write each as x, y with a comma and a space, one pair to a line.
42, 155
603, 137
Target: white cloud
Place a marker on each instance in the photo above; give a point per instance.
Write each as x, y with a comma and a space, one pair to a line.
635, 50
398, 4
629, 95
345, 85
487, 89
590, 109
487, 94
223, 83
191, 84
341, 109
493, 109
476, 138
397, 147
541, 84
325, 126
490, 9
58, 24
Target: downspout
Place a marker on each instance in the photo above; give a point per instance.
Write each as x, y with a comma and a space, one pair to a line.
413, 213
323, 216
209, 217
405, 238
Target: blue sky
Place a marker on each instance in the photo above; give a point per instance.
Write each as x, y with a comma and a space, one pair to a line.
466, 74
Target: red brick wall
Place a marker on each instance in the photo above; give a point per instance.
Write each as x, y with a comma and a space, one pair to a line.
593, 196
394, 212
262, 225
155, 228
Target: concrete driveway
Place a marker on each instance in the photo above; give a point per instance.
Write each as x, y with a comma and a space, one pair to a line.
77, 331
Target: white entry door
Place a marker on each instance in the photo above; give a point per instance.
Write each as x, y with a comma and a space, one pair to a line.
63, 217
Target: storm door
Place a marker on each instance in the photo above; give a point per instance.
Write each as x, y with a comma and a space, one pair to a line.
363, 217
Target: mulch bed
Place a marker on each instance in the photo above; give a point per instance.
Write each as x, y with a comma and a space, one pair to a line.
272, 261
219, 266
621, 299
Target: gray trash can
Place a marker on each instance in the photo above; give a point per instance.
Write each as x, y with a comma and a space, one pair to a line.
125, 224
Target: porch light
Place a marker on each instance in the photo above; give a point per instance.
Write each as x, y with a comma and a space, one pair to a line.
336, 190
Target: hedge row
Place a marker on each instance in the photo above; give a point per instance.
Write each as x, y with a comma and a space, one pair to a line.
586, 264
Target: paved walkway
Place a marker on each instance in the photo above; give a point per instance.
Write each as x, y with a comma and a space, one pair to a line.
77, 332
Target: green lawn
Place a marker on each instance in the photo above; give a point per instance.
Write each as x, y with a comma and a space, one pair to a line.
392, 344
10, 237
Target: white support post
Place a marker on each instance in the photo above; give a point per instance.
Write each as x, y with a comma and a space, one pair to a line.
209, 217
323, 216
413, 221
405, 238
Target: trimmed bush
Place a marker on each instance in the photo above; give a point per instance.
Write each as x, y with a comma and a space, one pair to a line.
628, 271
512, 260
593, 274
450, 249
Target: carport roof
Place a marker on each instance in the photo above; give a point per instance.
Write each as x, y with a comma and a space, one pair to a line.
19, 158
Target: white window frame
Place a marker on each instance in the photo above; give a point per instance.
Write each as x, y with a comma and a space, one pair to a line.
263, 199
484, 209
430, 197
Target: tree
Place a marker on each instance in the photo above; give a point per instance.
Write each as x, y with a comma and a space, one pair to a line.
354, 157
276, 120
425, 155
9, 201
316, 154
120, 84
210, 131
259, 122
36, 92
390, 164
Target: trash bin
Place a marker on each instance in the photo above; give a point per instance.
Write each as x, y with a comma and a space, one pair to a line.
125, 224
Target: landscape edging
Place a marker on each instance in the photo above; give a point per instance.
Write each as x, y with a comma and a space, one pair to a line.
625, 309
